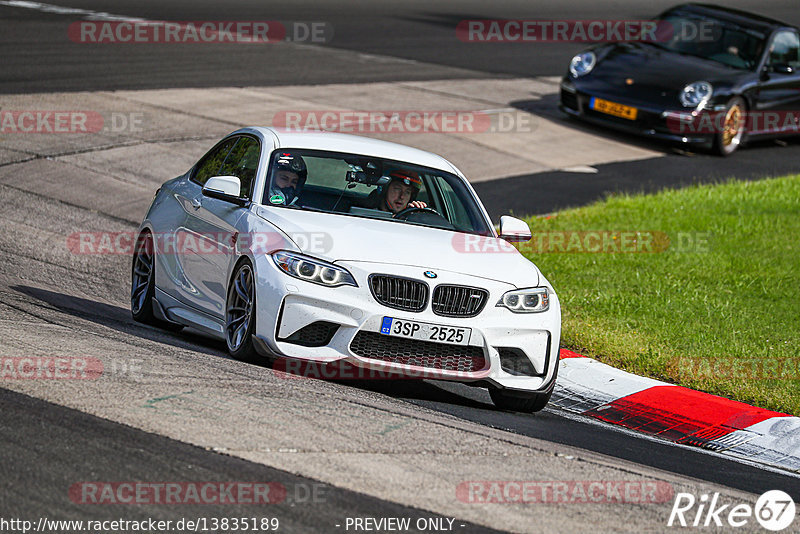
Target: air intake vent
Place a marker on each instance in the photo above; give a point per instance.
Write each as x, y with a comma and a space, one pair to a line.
458, 301
399, 293
446, 357
514, 361
316, 334
569, 100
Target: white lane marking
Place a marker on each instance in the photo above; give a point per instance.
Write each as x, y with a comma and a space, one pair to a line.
386, 59
102, 15
498, 110
97, 15
584, 169
60, 10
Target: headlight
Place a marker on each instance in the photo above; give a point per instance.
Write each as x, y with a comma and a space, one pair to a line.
532, 300
582, 64
312, 270
696, 94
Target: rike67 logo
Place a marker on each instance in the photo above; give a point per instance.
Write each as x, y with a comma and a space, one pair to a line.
774, 510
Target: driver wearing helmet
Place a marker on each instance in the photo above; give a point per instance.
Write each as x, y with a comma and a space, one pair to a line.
400, 193
289, 175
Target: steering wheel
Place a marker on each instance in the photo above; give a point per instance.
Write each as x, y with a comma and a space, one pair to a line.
404, 213
428, 216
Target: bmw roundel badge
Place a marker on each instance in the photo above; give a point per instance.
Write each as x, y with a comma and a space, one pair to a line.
430, 274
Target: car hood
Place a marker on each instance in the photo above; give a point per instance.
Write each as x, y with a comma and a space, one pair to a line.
334, 238
658, 75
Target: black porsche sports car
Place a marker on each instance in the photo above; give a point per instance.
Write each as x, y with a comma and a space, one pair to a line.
704, 75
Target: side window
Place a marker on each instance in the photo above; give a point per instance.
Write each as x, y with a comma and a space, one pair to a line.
458, 215
212, 161
242, 162
785, 49
423, 194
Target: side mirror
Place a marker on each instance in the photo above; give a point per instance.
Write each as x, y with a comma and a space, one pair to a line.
514, 230
781, 68
227, 188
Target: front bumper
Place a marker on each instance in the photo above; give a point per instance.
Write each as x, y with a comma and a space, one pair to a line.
653, 122
286, 306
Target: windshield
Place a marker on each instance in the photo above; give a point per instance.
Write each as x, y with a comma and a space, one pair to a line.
717, 40
371, 187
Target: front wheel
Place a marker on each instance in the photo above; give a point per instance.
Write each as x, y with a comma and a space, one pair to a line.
732, 128
240, 314
519, 401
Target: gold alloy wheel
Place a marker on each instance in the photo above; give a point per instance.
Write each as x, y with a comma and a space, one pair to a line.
732, 127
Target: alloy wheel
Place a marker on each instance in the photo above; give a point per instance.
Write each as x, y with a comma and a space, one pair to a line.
733, 128
142, 273
239, 310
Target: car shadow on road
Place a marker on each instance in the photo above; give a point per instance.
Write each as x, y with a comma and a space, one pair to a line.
417, 390
119, 319
547, 106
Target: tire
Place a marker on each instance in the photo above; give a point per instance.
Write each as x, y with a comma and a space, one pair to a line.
143, 279
519, 401
143, 284
530, 403
240, 316
727, 141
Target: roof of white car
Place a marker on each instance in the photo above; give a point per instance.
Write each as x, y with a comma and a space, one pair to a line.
354, 144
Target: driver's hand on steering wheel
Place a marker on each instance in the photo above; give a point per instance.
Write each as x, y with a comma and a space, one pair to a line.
416, 204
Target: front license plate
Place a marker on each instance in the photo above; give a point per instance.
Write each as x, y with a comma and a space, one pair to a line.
612, 108
425, 331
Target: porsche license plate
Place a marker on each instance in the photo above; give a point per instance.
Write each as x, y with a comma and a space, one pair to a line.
612, 108
425, 331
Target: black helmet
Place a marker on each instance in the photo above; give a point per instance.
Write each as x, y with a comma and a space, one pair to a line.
286, 161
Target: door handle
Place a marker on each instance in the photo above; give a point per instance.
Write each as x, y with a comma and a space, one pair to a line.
196, 203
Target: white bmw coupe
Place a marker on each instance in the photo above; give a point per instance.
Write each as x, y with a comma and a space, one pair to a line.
332, 249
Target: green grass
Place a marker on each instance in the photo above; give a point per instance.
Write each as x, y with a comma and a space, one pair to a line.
721, 317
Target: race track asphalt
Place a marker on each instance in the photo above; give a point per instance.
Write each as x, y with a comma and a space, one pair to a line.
194, 413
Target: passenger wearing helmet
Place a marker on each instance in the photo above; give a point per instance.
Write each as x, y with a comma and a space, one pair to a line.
399, 194
289, 175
